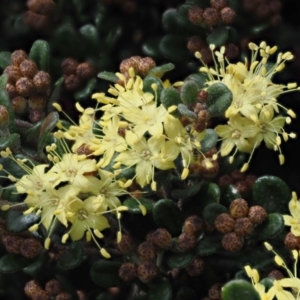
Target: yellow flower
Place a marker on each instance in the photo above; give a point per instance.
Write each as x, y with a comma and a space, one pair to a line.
293, 220
146, 155
235, 134
83, 215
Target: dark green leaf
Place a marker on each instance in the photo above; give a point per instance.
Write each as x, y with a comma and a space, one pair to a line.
271, 227
12, 141
36, 267
170, 21
17, 222
210, 140
105, 296
159, 71
199, 79
134, 208
151, 48
85, 92
13, 262
230, 194
189, 92
55, 95
211, 211
106, 274
218, 37
90, 34
3, 81
272, 193
73, 257
186, 293
169, 97
209, 244
227, 167
160, 290
40, 54
188, 192
219, 99
167, 214
4, 59
148, 81
5, 101
239, 289
182, 108
180, 260
10, 192
109, 76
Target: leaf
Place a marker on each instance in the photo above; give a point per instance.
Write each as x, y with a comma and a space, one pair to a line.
188, 192
5, 59
134, 208
211, 211
148, 81
5, 101
218, 37
239, 289
159, 71
40, 54
270, 228
90, 35
85, 92
18, 222
180, 260
210, 140
170, 96
167, 214
182, 108
189, 92
219, 99
271, 193
3, 81
151, 48
186, 293
170, 21
13, 262
199, 78
160, 290
109, 76
13, 142
210, 244
231, 193
73, 257
36, 267
55, 95
106, 274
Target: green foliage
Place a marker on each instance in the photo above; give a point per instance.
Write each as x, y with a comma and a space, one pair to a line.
40, 54
73, 257
134, 206
239, 289
180, 260
17, 222
85, 92
189, 92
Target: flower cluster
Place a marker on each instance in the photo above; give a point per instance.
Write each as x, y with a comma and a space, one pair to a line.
293, 220
253, 115
279, 286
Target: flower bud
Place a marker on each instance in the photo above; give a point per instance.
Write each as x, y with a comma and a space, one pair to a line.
228, 15
31, 288
63, 296
43, 7
53, 287
232, 242
69, 66
37, 101
145, 65
4, 115
211, 16
85, 71
36, 21
186, 242
161, 238
257, 214
42, 81
214, 291
238, 208
126, 64
30, 248
193, 225
291, 241
196, 267
36, 115
25, 87
147, 271
146, 251
125, 245
276, 274
218, 4
128, 271
195, 43
19, 105
13, 73
224, 223
195, 15
28, 68
243, 226
11, 90
72, 82
17, 57
12, 243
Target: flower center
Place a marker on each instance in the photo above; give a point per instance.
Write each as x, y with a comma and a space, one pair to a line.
82, 214
71, 172
236, 134
146, 154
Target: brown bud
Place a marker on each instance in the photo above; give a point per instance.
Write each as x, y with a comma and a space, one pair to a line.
263, 11
195, 43
249, 5
232, 52
12, 243
257, 214
53, 287
214, 292
72, 82
204, 116
209, 168
84, 149
291, 241
243, 188
238, 208
218, 4
186, 242
195, 15
126, 64
210, 153
25, 87
147, 271
224, 223
36, 21
198, 107
228, 15
208, 228
69, 66
206, 55
232, 242
17, 57
224, 181
11, 90
42, 81
161, 238
81, 295
243, 226
276, 274
193, 225
145, 65
275, 6
28, 68
203, 96
146, 251
85, 71
31, 248
19, 105
237, 175
63, 296
196, 267
36, 115
13, 73
125, 245
211, 16
128, 271
250, 179
37, 101
41, 295
44, 7
31, 288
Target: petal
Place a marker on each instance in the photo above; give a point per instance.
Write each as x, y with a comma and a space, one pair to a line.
287, 220
144, 172
226, 147
77, 230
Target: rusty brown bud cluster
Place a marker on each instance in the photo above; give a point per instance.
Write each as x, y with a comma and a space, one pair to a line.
39, 14
76, 74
